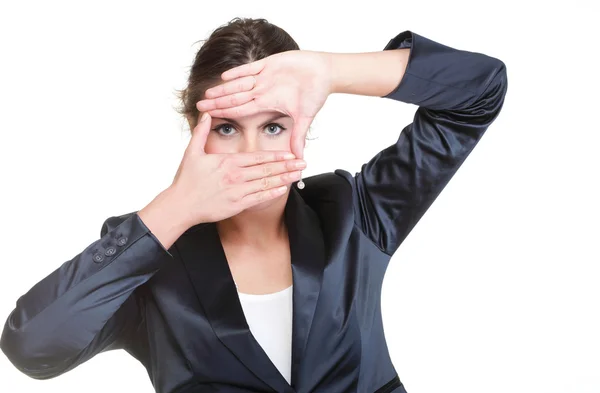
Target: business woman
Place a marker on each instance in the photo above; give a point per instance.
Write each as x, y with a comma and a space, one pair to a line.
238, 277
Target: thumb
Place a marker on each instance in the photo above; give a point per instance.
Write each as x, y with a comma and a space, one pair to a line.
200, 133
299, 136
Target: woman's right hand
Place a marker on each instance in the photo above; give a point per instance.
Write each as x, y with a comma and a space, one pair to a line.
213, 187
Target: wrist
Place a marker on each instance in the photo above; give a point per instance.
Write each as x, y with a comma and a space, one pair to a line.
339, 83
368, 73
172, 202
166, 217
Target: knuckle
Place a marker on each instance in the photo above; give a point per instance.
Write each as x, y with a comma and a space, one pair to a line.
264, 182
267, 170
292, 176
259, 158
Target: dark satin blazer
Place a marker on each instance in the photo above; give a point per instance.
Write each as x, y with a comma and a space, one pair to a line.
177, 310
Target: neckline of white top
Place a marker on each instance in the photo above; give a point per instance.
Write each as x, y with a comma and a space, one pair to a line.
265, 296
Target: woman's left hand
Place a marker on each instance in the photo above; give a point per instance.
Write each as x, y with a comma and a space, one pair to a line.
296, 83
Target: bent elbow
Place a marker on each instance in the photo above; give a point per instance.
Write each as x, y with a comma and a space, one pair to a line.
28, 354
486, 108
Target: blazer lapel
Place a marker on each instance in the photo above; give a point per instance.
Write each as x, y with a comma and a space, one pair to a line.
205, 261
204, 258
308, 261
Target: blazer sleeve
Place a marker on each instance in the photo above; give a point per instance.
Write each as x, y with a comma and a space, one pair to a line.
85, 306
458, 94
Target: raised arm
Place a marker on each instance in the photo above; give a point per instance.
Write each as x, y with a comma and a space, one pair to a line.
459, 94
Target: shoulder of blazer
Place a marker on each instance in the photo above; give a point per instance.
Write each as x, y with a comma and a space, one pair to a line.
327, 186
330, 195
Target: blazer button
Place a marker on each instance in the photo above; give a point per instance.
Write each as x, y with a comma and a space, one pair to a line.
98, 257
122, 241
110, 251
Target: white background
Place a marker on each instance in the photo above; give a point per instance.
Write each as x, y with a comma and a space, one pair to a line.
495, 290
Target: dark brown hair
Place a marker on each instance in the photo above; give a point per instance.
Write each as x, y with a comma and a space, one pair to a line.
241, 41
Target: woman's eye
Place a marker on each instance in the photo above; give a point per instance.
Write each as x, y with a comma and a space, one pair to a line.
274, 129
225, 129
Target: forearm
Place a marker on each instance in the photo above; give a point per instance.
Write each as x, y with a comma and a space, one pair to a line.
370, 73
85, 305
459, 94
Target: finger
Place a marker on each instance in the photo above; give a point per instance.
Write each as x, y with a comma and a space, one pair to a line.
267, 183
235, 86
233, 100
261, 196
271, 169
297, 146
200, 133
259, 157
298, 140
247, 109
244, 70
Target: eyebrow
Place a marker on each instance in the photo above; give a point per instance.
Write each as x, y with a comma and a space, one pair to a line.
235, 123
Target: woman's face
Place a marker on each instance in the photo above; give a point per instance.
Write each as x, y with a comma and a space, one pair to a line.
268, 130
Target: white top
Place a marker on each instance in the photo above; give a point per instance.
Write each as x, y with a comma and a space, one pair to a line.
269, 317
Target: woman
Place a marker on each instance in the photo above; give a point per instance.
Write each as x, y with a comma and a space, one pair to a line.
308, 262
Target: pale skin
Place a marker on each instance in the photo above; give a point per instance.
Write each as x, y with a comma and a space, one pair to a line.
220, 177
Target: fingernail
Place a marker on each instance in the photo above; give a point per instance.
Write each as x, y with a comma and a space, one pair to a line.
288, 156
204, 117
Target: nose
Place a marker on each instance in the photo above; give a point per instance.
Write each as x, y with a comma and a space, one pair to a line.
250, 142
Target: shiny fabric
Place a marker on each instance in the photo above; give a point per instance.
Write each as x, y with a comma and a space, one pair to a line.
177, 310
